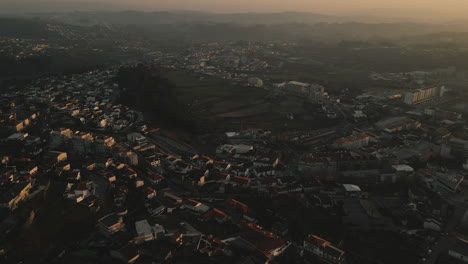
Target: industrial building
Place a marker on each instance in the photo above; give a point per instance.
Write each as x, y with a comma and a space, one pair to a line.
312, 92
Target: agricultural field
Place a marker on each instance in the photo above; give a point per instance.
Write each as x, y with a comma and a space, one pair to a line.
220, 105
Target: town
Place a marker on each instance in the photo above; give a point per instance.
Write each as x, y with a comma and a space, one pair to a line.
278, 166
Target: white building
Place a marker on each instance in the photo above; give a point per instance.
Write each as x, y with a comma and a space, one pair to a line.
423, 95
312, 92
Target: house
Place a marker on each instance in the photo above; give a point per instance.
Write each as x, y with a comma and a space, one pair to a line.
30, 169
128, 157
104, 163
90, 165
238, 205
14, 195
150, 193
146, 232
217, 215
17, 137
111, 224
212, 246
130, 173
195, 206
240, 181
126, 254
17, 126
111, 178
78, 191
90, 201
57, 155
154, 207
171, 201
139, 182
352, 190
119, 194
154, 178
267, 243
135, 137
324, 249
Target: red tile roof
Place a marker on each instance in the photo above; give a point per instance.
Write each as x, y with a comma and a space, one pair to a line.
360, 136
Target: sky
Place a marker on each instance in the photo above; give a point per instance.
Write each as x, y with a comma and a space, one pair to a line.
441, 8
446, 6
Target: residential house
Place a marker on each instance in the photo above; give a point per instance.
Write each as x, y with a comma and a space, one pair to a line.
111, 224
324, 249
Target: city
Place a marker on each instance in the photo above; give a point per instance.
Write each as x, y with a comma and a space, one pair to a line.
119, 145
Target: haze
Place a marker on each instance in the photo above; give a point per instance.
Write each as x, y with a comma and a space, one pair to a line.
448, 6
429, 9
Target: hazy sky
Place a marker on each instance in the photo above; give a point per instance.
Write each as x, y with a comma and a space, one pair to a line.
447, 6
437, 8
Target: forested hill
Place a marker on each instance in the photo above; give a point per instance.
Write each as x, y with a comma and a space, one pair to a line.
25, 28
144, 89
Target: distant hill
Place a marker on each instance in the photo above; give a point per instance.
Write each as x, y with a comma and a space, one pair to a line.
177, 17
328, 32
25, 28
197, 26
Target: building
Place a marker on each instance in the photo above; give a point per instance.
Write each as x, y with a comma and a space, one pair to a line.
396, 124
423, 95
444, 182
104, 144
146, 232
195, 206
324, 249
256, 82
57, 155
312, 92
128, 157
327, 165
266, 242
234, 149
82, 142
18, 136
397, 172
17, 193
60, 137
353, 142
78, 191
135, 137
126, 254
440, 114
111, 224
455, 148
352, 190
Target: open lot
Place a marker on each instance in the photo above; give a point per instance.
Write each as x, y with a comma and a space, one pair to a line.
219, 104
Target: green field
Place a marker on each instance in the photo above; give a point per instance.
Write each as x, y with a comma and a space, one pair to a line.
191, 88
219, 105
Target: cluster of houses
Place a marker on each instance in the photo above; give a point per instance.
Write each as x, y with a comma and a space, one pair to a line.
402, 173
